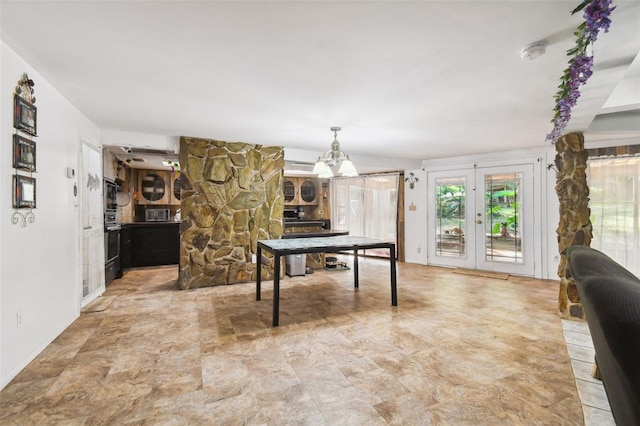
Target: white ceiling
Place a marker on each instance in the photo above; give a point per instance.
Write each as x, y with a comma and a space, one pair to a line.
404, 79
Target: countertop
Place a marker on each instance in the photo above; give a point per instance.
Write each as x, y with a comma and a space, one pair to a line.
289, 223
319, 233
150, 223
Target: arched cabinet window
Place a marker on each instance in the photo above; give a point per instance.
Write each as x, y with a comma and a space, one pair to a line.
176, 188
152, 187
308, 192
289, 190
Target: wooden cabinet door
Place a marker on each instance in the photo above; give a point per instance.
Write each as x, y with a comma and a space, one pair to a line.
308, 192
154, 187
175, 189
291, 191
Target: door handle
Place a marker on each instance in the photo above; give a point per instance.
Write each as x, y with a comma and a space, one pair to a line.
478, 221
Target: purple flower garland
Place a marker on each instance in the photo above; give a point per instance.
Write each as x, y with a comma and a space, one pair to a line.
596, 15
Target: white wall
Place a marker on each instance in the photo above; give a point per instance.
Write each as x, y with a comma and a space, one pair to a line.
39, 268
415, 218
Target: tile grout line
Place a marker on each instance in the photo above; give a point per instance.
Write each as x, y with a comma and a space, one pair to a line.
599, 384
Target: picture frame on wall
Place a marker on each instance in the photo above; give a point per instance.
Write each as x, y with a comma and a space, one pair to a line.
24, 192
25, 116
24, 153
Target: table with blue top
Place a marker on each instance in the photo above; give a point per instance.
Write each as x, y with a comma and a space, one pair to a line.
340, 243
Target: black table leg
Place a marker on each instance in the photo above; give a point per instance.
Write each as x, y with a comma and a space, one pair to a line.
394, 290
276, 290
356, 279
258, 272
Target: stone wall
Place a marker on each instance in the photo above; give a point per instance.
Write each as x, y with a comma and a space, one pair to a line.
231, 197
574, 227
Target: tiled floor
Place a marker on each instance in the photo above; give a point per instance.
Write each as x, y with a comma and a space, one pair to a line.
595, 404
457, 350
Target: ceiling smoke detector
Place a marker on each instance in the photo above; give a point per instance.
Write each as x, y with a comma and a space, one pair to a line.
533, 51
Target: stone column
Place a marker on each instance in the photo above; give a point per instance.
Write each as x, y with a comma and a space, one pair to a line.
574, 227
231, 196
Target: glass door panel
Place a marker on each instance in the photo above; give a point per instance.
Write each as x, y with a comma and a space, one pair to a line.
505, 219
449, 218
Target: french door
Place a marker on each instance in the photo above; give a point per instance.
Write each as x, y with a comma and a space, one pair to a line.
482, 218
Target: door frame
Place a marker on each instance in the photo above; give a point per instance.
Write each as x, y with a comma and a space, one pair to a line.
527, 218
511, 159
85, 300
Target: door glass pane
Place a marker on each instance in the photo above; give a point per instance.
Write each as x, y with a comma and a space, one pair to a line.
450, 216
503, 229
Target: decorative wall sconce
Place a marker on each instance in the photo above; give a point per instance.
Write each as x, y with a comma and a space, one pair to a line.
412, 179
556, 165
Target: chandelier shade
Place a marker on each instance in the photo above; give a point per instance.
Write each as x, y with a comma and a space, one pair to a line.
334, 157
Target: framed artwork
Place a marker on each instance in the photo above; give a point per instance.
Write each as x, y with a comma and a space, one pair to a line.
25, 116
24, 153
24, 192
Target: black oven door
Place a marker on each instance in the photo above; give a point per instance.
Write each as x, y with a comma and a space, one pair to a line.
110, 191
111, 243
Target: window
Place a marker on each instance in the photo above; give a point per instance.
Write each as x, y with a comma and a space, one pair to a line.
366, 206
614, 192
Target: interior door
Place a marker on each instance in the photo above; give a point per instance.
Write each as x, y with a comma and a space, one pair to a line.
482, 218
93, 237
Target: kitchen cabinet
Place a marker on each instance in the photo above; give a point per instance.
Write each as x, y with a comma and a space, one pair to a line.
175, 189
155, 243
153, 187
158, 187
290, 190
308, 192
300, 191
126, 246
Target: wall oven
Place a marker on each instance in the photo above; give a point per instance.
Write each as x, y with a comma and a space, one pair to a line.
110, 203
111, 233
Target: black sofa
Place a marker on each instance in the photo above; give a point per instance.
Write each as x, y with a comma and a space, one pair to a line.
610, 297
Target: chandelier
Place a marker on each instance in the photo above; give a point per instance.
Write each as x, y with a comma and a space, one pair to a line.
333, 157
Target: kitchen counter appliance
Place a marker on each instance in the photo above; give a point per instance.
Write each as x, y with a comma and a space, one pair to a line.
157, 215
